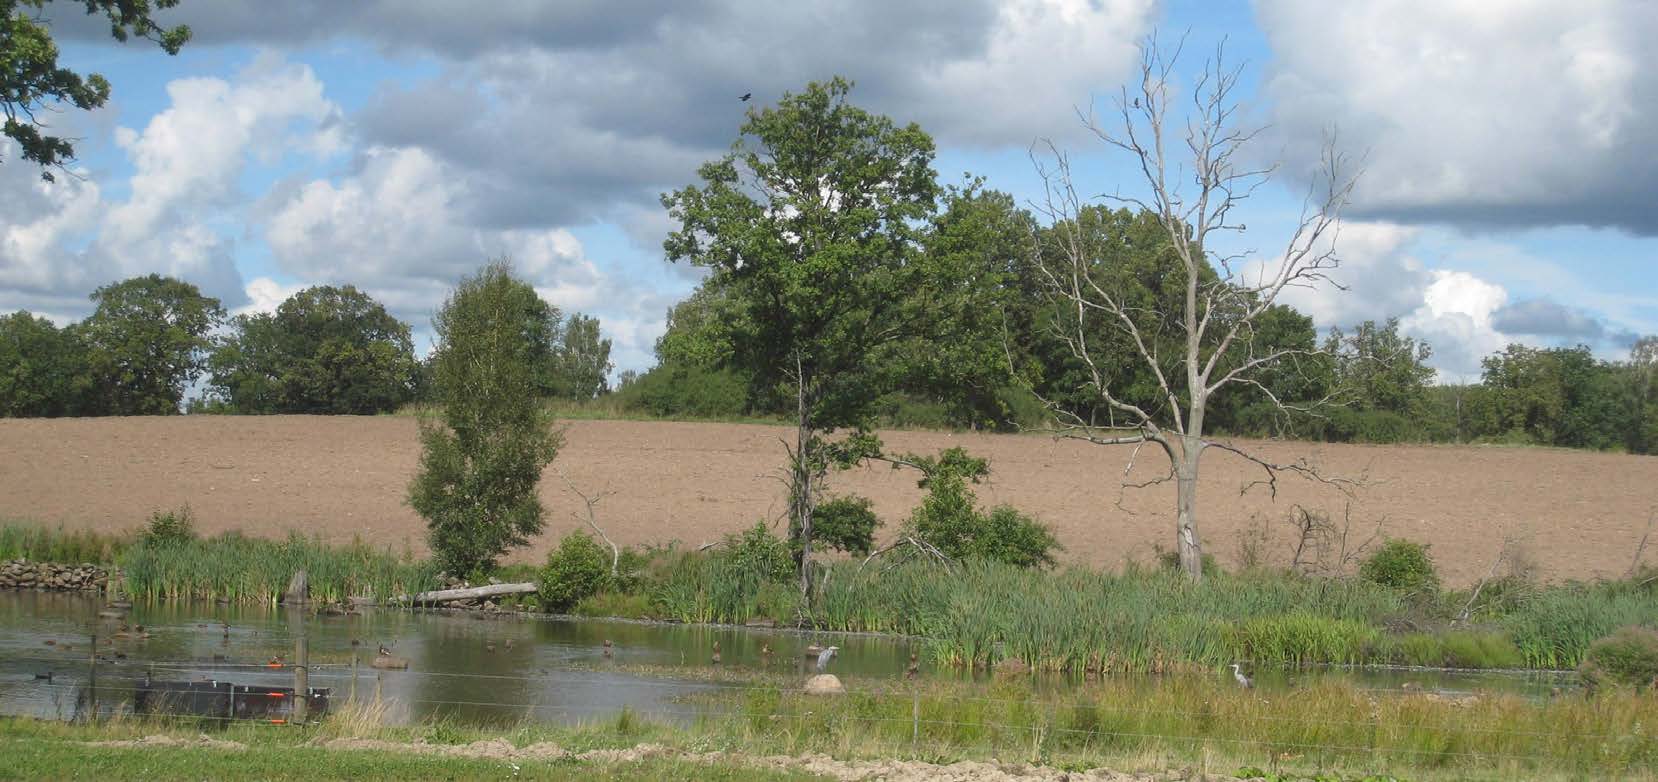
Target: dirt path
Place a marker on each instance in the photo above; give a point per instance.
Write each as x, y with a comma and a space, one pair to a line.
1577, 514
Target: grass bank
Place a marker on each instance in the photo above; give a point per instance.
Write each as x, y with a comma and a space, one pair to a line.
1327, 731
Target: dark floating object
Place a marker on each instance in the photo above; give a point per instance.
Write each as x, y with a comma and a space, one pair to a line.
45, 677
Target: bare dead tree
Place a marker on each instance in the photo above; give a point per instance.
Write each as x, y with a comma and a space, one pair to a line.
1194, 186
592, 519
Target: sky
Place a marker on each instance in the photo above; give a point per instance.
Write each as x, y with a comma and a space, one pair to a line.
1509, 187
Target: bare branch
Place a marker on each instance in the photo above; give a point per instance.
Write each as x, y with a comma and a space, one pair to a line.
592, 519
1299, 467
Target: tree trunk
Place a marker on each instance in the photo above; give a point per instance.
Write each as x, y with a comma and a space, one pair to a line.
1185, 472
473, 593
802, 491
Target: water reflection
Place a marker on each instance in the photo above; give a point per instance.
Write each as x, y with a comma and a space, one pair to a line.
468, 665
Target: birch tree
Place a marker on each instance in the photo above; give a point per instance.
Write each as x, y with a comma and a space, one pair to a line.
1197, 174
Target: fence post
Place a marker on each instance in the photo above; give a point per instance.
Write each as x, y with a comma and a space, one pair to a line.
302, 671
353, 698
92, 678
915, 720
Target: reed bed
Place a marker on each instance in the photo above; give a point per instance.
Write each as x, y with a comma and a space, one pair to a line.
69, 547
240, 569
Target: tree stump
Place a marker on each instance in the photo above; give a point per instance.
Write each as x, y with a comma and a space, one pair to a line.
299, 589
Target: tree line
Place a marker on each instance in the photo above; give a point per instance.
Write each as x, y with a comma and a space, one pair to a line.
325, 350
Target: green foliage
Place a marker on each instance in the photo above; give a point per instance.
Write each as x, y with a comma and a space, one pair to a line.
845, 524
147, 341
43, 369
483, 456
1627, 658
1403, 565
32, 83
577, 569
949, 519
687, 392
745, 577
170, 526
809, 226
71, 547
241, 569
325, 350
582, 360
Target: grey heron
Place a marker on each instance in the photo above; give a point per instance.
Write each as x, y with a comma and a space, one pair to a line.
823, 658
1243, 681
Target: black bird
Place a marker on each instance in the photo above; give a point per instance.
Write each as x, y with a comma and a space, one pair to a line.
746, 96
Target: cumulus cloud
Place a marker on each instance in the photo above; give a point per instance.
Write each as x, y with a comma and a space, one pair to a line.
60, 240
1472, 113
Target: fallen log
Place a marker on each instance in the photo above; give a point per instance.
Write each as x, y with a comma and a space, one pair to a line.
471, 593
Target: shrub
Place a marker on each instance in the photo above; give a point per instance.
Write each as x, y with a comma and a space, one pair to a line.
845, 523
1626, 658
170, 526
757, 554
1403, 565
949, 520
577, 569
1169, 559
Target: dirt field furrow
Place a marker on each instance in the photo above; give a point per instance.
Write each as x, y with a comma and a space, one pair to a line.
1577, 515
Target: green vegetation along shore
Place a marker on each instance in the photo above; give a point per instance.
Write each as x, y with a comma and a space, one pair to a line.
970, 613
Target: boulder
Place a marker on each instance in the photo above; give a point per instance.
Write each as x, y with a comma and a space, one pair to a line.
825, 684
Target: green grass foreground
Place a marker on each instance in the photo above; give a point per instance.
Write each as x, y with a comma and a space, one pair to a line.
1327, 731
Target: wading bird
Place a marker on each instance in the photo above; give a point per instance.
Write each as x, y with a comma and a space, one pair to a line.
823, 658
1243, 681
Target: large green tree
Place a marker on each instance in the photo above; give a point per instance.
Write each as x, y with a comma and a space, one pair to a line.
32, 83
484, 453
328, 350
1554, 396
810, 226
147, 342
43, 369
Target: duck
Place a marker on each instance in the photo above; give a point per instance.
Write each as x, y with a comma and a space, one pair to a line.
607, 646
716, 659
386, 660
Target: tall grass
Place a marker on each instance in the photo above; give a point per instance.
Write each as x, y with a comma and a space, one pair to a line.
71, 547
237, 568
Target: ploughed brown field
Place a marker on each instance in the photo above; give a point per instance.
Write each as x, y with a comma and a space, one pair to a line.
1574, 514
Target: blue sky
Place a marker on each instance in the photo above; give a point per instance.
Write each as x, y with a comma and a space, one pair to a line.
1509, 191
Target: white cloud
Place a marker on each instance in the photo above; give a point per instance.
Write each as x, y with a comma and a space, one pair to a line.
265, 295
60, 240
1456, 319
1476, 113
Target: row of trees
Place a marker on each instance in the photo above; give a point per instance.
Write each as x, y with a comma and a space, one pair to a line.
325, 350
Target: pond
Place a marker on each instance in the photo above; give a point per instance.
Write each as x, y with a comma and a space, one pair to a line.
476, 667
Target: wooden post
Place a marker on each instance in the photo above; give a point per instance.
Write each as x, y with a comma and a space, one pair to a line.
915, 720
379, 678
302, 673
92, 678
353, 698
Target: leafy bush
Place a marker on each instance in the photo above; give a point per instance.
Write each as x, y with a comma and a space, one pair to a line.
1402, 565
688, 392
845, 523
949, 520
1626, 658
170, 526
757, 554
577, 569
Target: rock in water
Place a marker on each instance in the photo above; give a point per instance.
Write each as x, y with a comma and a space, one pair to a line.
824, 684
299, 588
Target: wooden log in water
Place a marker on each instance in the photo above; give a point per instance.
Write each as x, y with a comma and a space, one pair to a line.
471, 593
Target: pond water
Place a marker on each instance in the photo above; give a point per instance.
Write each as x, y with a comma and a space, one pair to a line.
472, 666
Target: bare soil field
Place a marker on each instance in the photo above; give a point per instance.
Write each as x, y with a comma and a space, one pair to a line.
1574, 514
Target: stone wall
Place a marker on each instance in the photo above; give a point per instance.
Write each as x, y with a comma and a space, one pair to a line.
23, 574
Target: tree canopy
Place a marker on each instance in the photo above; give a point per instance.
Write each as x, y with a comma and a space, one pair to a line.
325, 350
32, 82
147, 341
